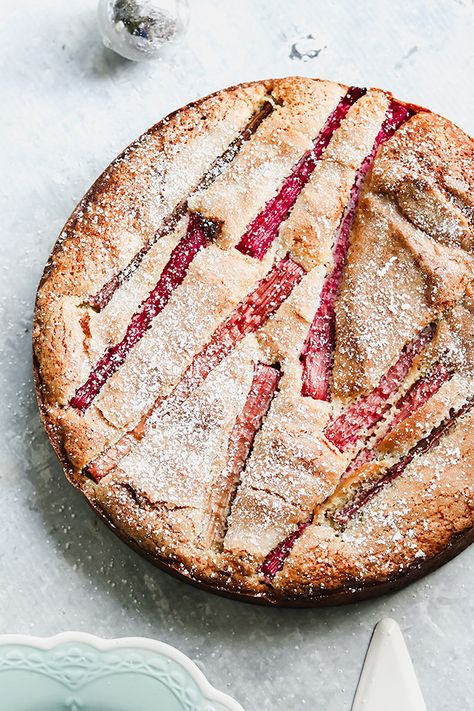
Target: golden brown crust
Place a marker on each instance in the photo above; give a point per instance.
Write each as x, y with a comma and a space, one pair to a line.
122, 211
309, 231
411, 248
414, 519
411, 261
302, 107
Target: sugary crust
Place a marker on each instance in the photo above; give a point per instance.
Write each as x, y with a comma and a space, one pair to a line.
427, 169
302, 107
215, 283
402, 271
407, 433
292, 469
384, 299
121, 213
309, 231
410, 261
437, 506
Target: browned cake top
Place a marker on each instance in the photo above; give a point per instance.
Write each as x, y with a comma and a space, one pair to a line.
254, 341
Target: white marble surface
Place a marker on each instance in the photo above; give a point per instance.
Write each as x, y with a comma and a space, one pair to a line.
67, 108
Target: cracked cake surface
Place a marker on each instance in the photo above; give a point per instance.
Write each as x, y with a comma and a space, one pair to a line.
254, 342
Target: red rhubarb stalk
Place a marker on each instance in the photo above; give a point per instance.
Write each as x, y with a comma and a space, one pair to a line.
197, 236
249, 315
419, 393
264, 228
345, 514
248, 423
106, 462
365, 455
364, 414
317, 353
100, 300
318, 350
275, 560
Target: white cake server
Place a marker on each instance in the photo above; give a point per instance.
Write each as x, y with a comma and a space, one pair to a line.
388, 681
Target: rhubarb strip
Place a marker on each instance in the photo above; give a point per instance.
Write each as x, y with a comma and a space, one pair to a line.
100, 300
106, 462
249, 315
264, 228
365, 455
364, 414
198, 234
318, 351
275, 560
248, 423
419, 393
347, 512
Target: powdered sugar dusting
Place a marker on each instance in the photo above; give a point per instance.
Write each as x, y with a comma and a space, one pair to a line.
187, 380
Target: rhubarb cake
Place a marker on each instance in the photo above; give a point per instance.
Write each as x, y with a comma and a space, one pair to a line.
253, 342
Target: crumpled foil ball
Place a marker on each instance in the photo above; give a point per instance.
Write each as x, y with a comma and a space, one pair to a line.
138, 29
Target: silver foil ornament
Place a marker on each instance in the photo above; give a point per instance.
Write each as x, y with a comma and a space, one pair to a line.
138, 29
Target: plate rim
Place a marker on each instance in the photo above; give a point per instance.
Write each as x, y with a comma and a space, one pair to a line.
103, 644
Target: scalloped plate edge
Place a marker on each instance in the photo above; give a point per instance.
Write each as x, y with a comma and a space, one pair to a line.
141, 643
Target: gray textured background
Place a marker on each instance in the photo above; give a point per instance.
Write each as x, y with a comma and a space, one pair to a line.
67, 108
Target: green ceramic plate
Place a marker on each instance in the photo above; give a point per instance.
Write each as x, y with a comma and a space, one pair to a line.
80, 672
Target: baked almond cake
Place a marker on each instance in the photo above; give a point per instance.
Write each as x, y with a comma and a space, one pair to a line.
254, 348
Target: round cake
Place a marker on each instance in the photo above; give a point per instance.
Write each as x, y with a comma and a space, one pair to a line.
253, 342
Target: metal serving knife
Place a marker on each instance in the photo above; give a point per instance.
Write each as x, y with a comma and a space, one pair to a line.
388, 681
